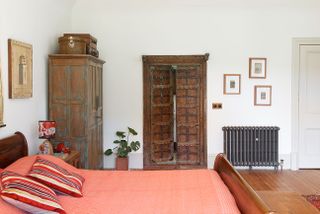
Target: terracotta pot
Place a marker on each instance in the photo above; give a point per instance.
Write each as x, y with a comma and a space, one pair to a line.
122, 163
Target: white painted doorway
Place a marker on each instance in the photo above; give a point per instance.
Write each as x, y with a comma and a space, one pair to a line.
309, 106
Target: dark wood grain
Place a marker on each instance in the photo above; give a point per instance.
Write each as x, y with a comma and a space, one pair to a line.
247, 199
12, 148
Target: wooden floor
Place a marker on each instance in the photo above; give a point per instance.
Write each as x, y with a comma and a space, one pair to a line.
282, 190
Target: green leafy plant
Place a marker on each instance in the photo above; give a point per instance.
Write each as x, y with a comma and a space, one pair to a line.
123, 147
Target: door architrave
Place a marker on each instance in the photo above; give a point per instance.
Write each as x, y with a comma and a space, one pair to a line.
296, 44
173, 60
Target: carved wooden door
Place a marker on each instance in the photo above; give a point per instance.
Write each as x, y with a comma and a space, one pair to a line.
188, 93
174, 83
161, 113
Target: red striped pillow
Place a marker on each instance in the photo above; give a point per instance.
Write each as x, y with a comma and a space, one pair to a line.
28, 195
57, 177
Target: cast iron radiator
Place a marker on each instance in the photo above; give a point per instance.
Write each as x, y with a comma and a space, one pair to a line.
252, 146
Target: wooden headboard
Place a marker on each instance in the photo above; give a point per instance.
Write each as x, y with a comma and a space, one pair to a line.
12, 148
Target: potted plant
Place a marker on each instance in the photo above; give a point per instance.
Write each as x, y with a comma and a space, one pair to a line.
123, 148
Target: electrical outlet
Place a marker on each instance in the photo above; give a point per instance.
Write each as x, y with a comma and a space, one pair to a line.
216, 105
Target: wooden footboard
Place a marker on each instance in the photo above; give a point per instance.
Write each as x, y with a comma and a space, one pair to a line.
246, 198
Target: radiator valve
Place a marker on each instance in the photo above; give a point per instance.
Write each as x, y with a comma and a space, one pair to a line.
281, 164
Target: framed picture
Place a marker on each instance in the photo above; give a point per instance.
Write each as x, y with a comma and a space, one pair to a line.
262, 95
232, 83
1, 100
258, 68
47, 129
20, 69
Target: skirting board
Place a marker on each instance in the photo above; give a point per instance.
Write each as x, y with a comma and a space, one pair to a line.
136, 161
285, 157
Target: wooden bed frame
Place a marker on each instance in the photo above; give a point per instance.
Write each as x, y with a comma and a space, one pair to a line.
14, 147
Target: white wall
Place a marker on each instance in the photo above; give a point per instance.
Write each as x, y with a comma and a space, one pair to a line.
38, 23
231, 31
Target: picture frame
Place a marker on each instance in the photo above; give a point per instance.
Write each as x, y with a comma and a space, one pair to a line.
257, 68
1, 100
20, 69
231, 84
262, 95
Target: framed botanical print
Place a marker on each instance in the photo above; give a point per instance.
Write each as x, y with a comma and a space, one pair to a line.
20, 69
258, 68
232, 84
262, 95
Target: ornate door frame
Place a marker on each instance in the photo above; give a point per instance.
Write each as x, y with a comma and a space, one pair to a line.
149, 60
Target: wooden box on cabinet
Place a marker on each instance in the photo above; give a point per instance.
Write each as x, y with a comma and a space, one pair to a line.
75, 103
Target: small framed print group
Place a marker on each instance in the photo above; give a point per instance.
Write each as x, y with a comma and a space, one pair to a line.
257, 70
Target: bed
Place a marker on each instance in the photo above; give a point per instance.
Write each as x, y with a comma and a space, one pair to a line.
221, 190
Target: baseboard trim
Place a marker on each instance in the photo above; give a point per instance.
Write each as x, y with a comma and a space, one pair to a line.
136, 161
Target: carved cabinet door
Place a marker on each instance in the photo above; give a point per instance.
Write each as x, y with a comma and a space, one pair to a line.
95, 119
75, 103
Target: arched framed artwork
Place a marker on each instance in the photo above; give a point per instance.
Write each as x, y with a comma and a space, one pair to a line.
20, 69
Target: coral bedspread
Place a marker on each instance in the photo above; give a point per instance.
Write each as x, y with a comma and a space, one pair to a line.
143, 192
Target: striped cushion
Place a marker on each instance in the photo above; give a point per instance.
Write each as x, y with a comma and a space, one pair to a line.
57, 177
28, 195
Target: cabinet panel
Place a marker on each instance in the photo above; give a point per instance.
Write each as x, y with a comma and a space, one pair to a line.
81, 145
60, 114
58, 82
77, 122
95, 149
77, 83
95, 95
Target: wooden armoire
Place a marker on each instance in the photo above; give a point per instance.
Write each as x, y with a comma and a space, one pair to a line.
174, 125
75, 103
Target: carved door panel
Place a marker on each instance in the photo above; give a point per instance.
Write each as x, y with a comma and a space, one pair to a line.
188, 114
161, 113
